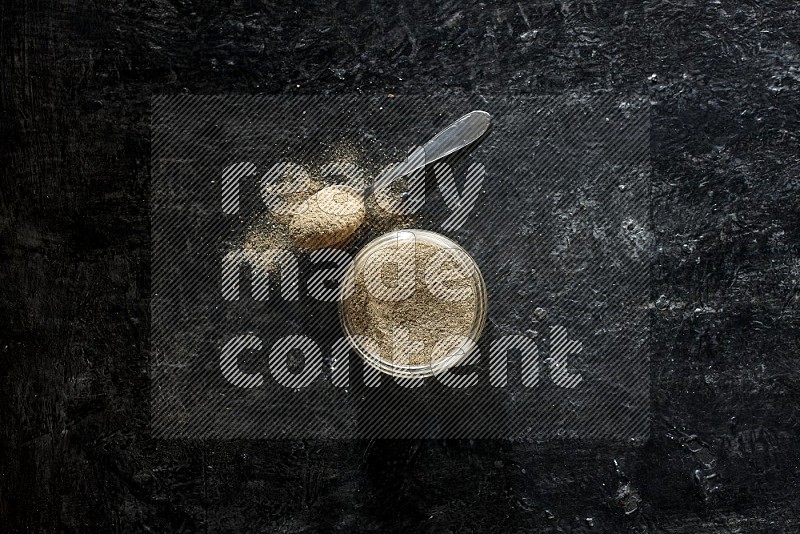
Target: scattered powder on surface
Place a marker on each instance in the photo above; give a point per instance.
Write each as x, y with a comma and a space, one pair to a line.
270, 228
265, 233
408, 331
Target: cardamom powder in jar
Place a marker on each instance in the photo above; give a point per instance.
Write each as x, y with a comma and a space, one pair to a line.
413, 303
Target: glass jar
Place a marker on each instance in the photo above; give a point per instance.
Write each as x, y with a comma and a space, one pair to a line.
431, 315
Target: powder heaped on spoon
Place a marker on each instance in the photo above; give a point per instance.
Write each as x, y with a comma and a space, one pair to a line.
331, 216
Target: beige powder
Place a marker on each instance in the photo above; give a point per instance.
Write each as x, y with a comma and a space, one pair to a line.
422, 328
291, 193
271, 229
330, 217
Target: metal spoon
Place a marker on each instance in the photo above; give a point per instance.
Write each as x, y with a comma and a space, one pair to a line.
335, 213
458, 135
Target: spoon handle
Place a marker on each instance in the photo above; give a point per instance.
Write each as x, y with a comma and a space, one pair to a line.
458, 135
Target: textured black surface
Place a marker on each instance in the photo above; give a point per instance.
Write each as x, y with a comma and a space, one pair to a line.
723, 78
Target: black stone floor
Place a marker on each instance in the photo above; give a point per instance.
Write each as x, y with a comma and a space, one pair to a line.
723, 78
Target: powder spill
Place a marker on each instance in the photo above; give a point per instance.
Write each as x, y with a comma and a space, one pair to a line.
290, 195
416, 300
265, 233
312, 213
